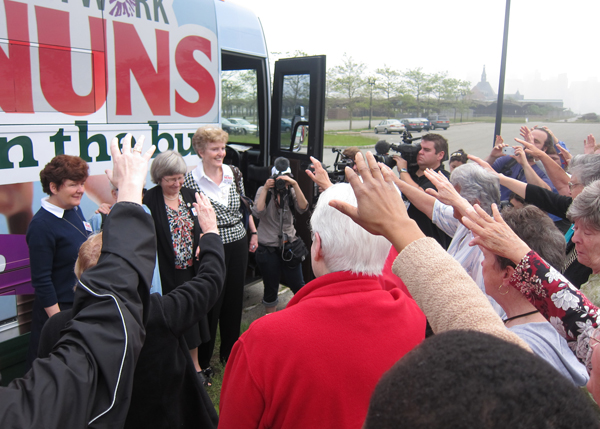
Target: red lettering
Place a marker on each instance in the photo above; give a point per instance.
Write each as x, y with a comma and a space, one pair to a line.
131, 58
195, 75
55, 63
15, 72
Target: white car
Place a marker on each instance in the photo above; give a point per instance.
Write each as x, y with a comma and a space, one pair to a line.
388, 126
247, 127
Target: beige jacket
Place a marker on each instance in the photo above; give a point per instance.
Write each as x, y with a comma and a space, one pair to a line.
447, 295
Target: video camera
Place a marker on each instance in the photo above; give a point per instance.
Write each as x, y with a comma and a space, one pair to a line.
406, 149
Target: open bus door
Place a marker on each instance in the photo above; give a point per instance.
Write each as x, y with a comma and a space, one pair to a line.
299, 100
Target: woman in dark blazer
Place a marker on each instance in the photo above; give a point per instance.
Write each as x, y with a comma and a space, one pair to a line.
177, 233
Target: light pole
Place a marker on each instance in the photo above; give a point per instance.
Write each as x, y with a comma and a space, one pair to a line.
371, 82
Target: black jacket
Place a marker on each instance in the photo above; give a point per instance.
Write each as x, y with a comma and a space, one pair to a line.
166, 258
87, 380
166, 390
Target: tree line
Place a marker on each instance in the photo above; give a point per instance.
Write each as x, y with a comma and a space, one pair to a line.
386, 92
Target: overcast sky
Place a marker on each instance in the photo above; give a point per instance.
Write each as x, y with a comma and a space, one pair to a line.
546, 38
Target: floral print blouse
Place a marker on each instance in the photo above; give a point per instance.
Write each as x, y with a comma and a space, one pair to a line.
181, 225
571, 313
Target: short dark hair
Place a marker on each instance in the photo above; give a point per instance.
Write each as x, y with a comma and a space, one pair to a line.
439, 142
538, 231
61, 168
468, 379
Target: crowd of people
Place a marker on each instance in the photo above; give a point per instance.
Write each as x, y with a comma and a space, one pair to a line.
463, 299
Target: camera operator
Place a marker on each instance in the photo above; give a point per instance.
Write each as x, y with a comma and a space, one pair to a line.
273, 207
434, 148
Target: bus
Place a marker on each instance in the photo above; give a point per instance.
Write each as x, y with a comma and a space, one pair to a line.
74, 74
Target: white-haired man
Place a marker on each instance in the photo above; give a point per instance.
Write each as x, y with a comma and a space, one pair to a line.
316, 363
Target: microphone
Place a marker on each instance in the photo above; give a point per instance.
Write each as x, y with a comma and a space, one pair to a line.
382, 147
282, 165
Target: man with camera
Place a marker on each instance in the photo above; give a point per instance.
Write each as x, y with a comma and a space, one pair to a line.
279, 249
434, 148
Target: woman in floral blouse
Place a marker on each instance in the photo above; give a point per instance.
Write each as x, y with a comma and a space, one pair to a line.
177, 233
572, 314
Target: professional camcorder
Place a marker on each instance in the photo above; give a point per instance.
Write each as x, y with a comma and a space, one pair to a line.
407, 150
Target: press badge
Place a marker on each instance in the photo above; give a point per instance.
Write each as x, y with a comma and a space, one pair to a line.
87, 226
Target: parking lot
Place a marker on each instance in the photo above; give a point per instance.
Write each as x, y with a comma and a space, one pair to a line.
477, 138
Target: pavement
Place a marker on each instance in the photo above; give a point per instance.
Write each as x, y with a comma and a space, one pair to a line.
253, 294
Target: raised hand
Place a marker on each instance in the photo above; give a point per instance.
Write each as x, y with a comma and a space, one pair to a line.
481, 162
446, 193
320, 176
206, 214
380, 209
129, 168
526, 134
494, 234
589, 144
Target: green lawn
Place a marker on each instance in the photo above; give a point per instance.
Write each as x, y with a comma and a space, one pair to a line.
348, 140
214, 391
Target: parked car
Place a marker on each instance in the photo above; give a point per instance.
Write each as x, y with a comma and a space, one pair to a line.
247, 127
230, 128
413, 124
426, 123
388, 126
286, 125
439, 121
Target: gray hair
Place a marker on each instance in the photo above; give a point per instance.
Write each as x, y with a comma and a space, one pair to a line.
538, 231
167, 163
586, 206
346, 245
586, 168
477, 184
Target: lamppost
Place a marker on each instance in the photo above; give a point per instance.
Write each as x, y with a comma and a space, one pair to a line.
371, 81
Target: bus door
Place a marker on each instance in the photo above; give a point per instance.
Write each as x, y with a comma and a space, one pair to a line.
297, 125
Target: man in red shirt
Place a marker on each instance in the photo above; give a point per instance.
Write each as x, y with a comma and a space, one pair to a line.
316, 363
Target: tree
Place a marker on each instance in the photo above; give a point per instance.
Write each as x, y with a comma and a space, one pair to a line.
388, 82
348, 81
417, 84
437, 83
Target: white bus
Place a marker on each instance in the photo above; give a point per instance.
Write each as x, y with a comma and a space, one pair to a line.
76, 73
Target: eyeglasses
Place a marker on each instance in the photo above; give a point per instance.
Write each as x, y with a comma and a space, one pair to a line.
572, 185
173, 180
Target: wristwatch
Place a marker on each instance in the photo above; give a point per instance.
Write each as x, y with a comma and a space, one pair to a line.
403, 170
253, 233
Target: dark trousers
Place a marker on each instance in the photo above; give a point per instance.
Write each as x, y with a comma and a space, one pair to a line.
38, 319
271, 266
227, 312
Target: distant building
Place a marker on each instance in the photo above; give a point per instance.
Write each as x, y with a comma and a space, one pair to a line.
485, 101
483, 90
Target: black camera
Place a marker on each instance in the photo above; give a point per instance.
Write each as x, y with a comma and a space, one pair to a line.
281, 167
407, 150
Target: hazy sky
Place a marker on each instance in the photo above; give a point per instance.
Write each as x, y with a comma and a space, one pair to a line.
547, 38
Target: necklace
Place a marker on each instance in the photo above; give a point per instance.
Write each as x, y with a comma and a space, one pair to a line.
520, 315
63, 218
171, 199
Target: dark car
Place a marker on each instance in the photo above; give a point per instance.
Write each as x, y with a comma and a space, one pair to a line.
230, 128
426, 123
439, 121
413, 124
286, 125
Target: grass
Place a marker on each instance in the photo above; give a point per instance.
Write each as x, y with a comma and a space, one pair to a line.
214, 391
347, 140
